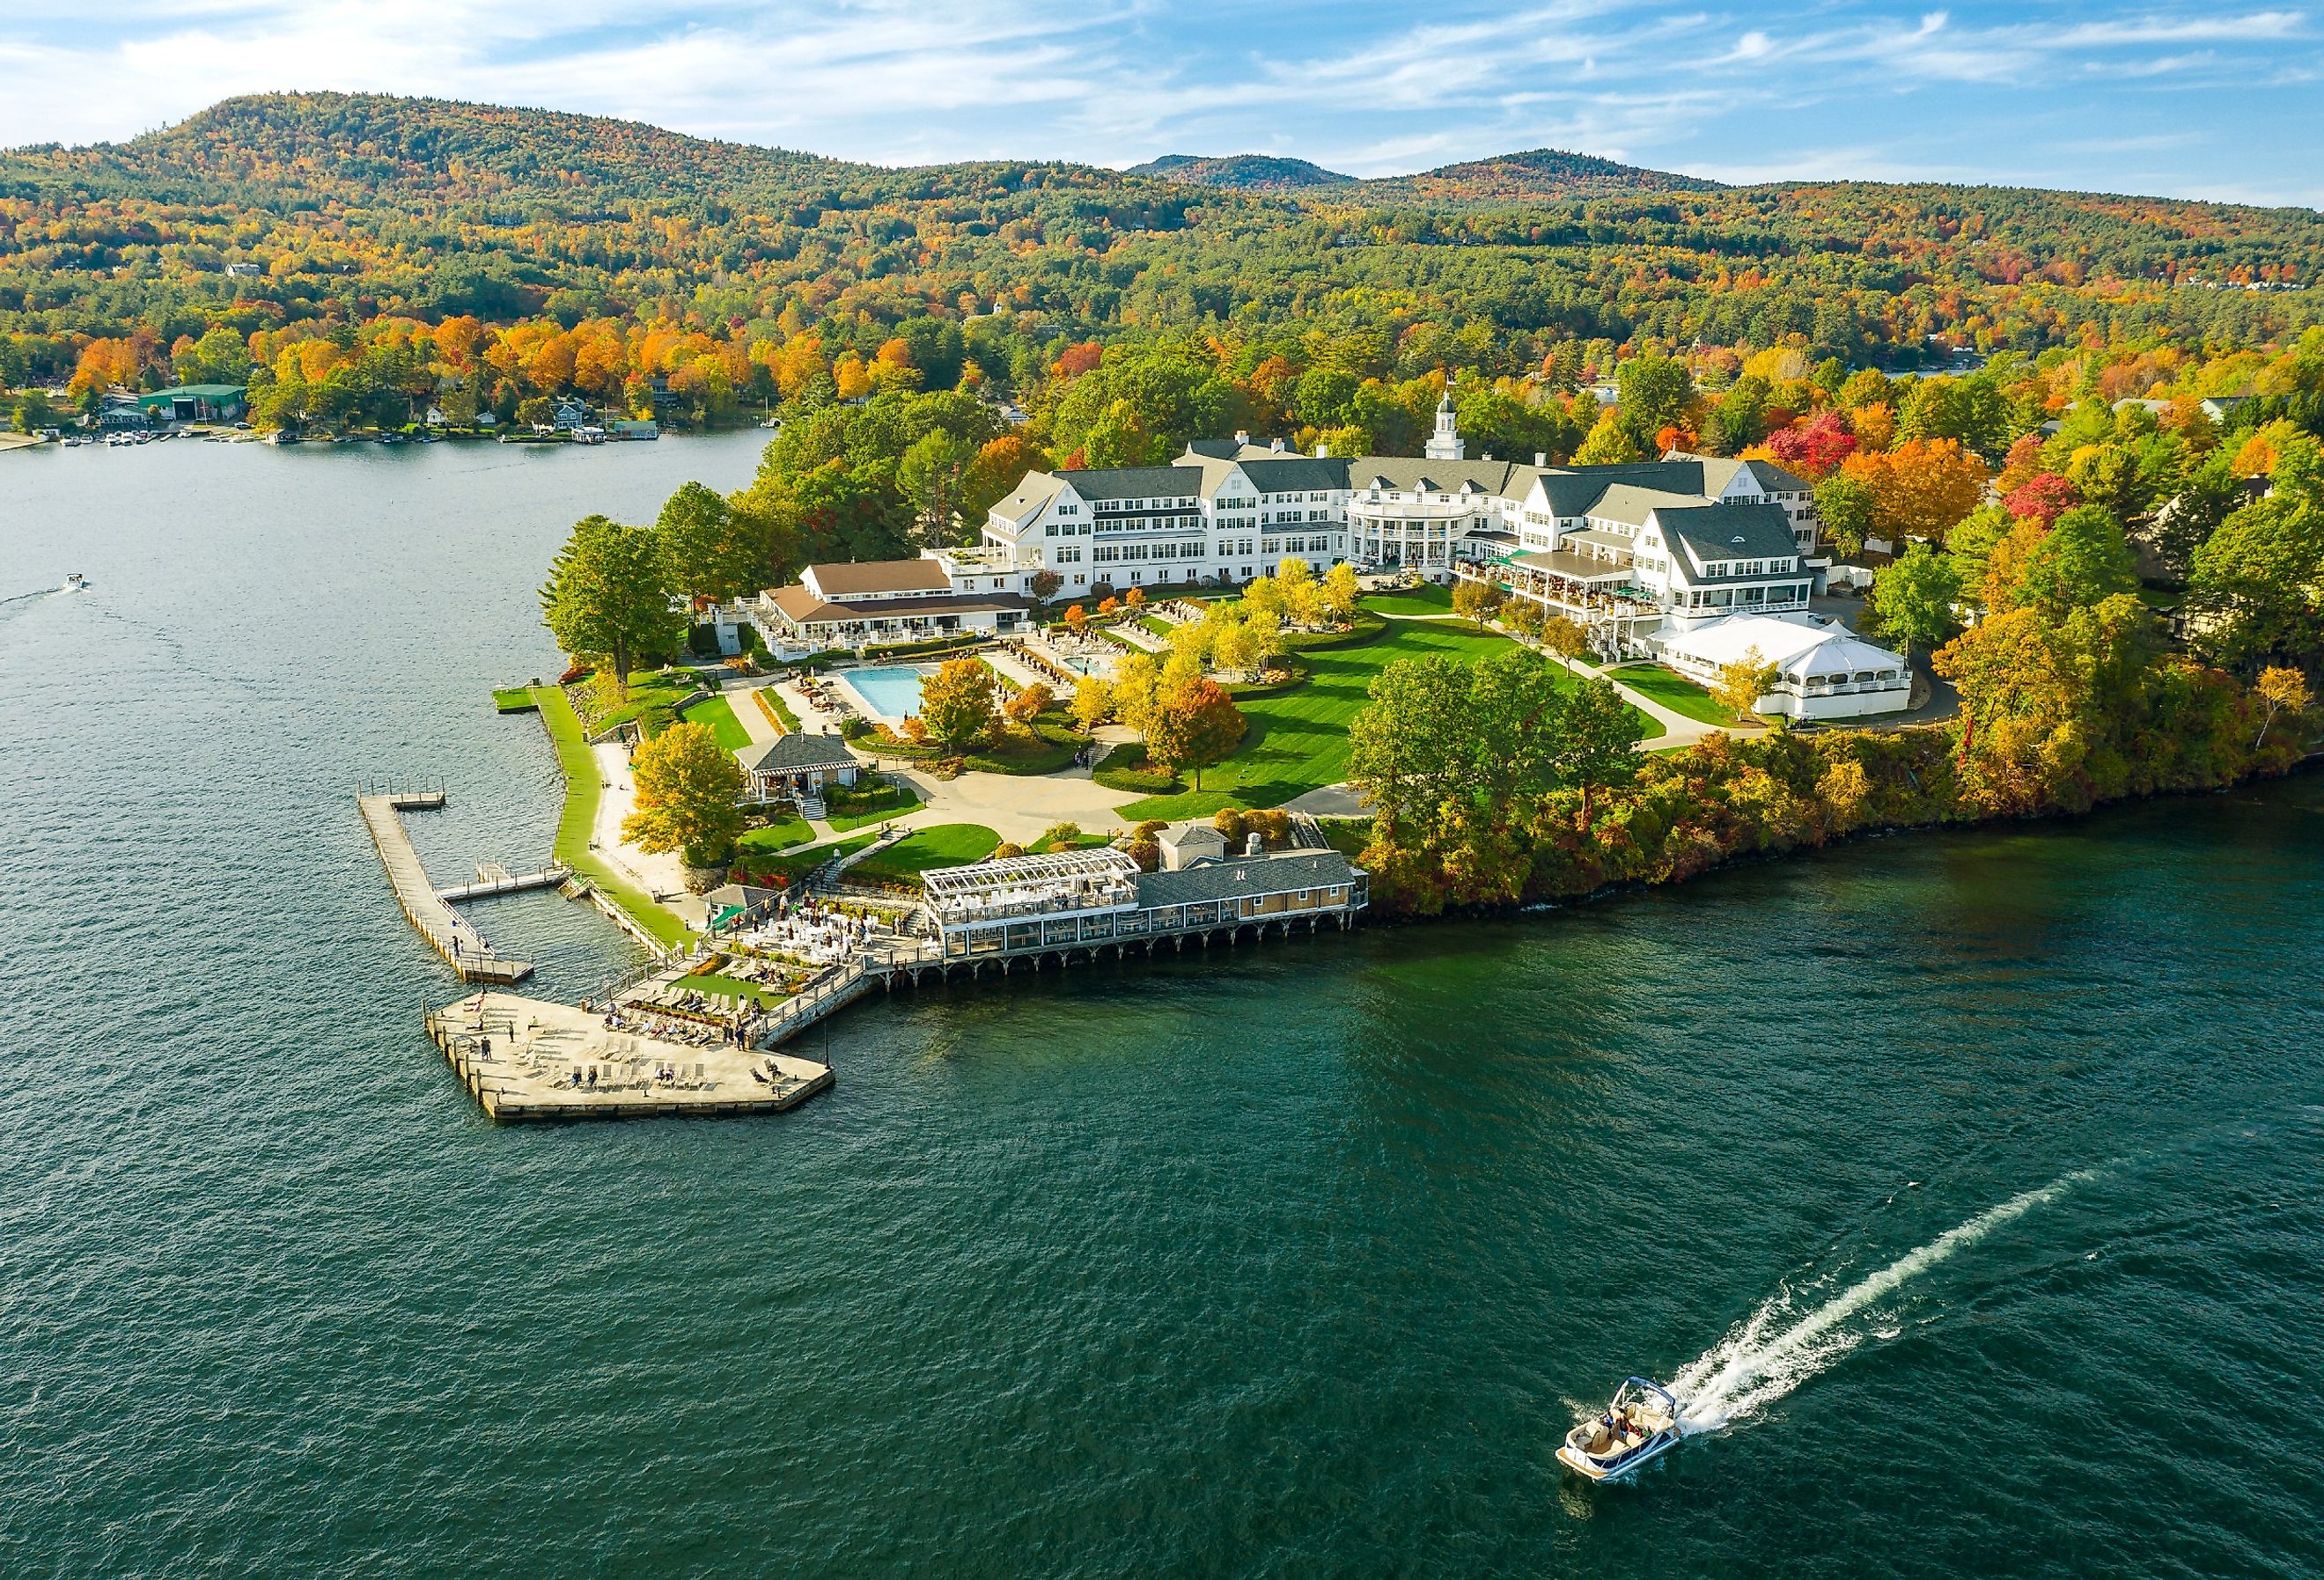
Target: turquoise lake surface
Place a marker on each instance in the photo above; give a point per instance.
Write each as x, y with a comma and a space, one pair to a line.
1973, 1176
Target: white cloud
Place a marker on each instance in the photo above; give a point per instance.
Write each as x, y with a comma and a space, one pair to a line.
1368, 87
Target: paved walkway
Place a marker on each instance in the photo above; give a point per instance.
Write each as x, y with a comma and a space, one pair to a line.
744, 701
1019, 808
661, 877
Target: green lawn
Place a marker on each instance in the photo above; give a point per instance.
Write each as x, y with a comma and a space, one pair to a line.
659, 690
1428, 598
794, 864
719, 714
1673, 691
947, 845
888, 800
1299, 738
776, 836
580, 815
513, 699
1156, 625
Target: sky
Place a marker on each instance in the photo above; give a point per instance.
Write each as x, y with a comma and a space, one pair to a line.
2221, 100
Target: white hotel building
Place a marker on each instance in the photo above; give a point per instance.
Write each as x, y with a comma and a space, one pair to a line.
1635, 554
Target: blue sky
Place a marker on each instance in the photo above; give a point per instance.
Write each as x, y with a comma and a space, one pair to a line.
2218, 100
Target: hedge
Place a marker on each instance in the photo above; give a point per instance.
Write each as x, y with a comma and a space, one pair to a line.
1125, 769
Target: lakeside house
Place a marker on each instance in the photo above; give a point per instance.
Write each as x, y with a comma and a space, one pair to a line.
944, 593
197, 403
1823, 670
796, 766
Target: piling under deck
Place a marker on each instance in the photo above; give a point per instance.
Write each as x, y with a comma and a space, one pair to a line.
520, 1056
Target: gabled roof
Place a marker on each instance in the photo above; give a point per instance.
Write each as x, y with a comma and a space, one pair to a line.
853, 579
1034, 490
1571, 491
1192, 834
794, 751
1730, 531
1123, 483
1631, 505
1718, 473
1239, 875
1282, 472
1406, 474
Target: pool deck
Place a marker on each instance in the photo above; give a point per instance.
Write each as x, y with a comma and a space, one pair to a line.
846, 681
518, 1056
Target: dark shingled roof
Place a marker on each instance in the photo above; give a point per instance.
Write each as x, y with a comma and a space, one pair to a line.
1573, 490
1405, 474
797, 749
1241, 875
1281, 473
1136, 481
1730, 531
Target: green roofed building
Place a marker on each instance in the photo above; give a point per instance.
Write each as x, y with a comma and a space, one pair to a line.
197, 403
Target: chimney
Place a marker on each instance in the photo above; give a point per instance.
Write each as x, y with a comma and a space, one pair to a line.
1486, 457
1241, 437
1323, 452
1541, 458
1275, 445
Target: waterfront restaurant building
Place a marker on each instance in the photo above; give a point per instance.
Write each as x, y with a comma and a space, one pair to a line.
1080, 900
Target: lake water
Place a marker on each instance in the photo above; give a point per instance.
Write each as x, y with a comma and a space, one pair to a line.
1291, 1261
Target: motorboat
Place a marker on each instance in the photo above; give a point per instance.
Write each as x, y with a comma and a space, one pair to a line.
1640, 1424
75, 582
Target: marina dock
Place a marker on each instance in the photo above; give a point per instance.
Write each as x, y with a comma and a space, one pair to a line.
528, 1059
449, 933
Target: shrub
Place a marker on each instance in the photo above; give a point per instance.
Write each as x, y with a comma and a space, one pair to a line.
1059, 835
1152, 829
1273, 826
852, 728
1146, 852
1127, 769
1007, 851
1230, 823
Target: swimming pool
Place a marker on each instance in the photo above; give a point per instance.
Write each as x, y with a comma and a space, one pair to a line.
893, 693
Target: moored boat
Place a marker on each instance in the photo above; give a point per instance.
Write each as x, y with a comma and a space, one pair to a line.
1640, 1424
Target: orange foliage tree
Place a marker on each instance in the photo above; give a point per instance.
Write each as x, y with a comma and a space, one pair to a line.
1920, 488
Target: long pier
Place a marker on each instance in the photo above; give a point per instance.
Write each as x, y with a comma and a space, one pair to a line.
449, 933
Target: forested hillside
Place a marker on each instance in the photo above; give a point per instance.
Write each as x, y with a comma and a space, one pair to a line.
352, 206
1251, 171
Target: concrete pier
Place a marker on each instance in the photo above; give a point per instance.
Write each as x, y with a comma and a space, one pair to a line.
528, 1059
446, 929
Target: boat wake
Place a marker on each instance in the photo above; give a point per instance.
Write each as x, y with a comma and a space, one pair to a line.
1775, 1350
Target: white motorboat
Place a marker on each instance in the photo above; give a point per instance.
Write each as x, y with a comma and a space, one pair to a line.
75, 582
1639, 1425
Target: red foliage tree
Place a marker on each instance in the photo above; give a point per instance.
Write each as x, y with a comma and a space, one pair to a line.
2043, 497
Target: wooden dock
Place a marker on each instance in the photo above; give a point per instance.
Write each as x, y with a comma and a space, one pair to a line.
492, 878
532, 1059
449, 933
